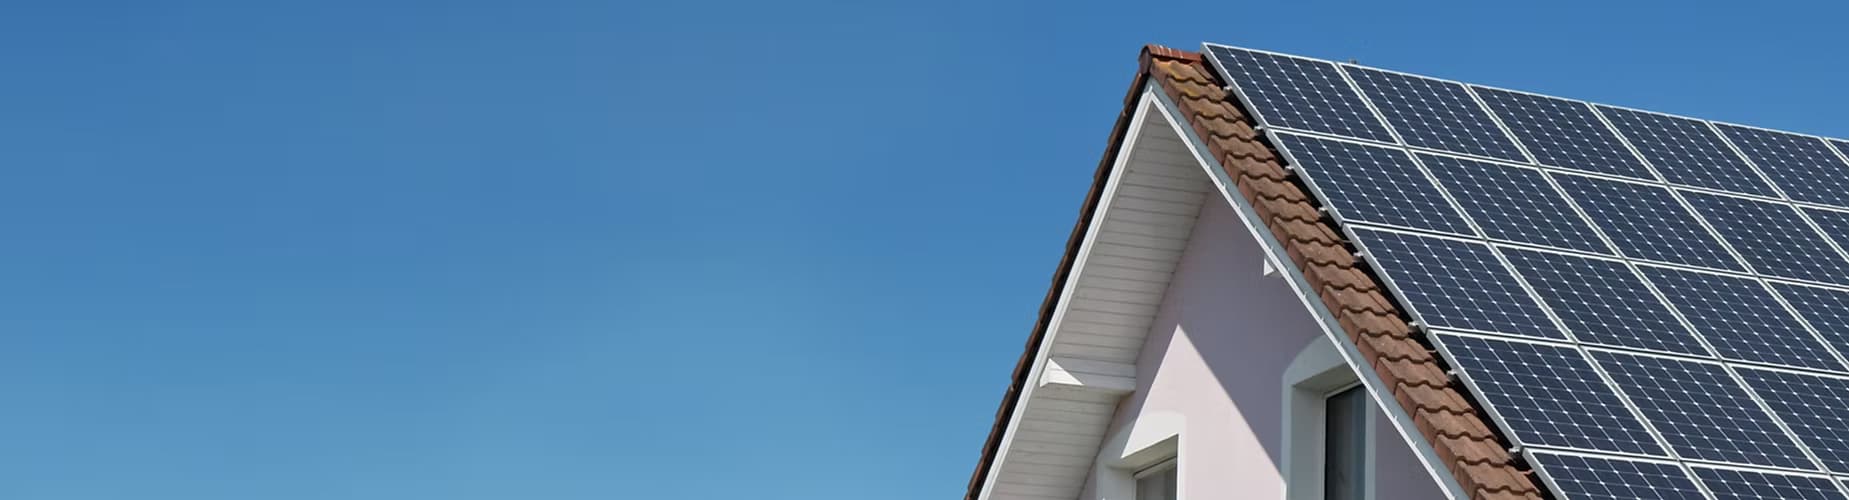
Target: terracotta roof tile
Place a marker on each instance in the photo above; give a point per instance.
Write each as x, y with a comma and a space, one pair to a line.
1453, 425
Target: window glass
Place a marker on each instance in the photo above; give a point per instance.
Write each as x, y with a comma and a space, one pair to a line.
1345, 445
1156, 483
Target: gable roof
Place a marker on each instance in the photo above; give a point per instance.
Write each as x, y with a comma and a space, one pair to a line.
1454, 425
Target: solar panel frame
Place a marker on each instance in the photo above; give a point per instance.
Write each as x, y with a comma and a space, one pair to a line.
1540, 323
1790, 247
1489, 195
1627, 290
1684, 167
1376, 128
1660, 476
1566, 410
1737, 483
1486, 138
1777, 336
1675, 234
1789, 393
1774, 153
1425, 205
1825, 309
1552, 148
1701, 439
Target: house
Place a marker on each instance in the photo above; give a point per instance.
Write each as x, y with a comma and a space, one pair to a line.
1216, 330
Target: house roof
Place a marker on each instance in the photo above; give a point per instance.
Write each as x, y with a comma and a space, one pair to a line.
1454, 424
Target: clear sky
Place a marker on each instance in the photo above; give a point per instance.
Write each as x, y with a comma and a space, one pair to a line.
597, 250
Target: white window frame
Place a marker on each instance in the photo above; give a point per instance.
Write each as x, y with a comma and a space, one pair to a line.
1149, 442
1315, 374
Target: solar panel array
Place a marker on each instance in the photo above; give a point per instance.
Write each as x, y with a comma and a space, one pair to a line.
1647, 305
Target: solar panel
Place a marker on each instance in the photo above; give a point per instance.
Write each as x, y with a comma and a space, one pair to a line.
1636, 298
1549, 395
1513, 203
1562, 133
1647, 222
1834, 223
1456, 284
1434, 114
1804, 167
1602, 302
1772, 237
1701, 411
1298, 93
1596, 478
1826, 309
1815, 407
1735, 484
1686, 151
1372, 183
1740, 318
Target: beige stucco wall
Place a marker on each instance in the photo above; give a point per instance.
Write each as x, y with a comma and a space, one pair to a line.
1213, 367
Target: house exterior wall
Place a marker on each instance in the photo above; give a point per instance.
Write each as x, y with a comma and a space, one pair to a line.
1213, 368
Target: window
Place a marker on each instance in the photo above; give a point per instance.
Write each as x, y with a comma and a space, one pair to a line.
1345, 445
1156, 482
1329, 423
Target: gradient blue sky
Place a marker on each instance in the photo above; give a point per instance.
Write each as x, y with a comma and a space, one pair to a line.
593, 250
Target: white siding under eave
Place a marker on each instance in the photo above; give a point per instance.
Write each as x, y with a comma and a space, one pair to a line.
1139, 235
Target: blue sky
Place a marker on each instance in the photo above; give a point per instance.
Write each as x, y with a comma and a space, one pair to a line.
593, 250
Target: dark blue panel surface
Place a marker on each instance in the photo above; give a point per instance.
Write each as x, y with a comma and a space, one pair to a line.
1835, 224
1299, 93
1562, 133
1816, 409
1701, 411
1825, 309
1590, 478
1647, 222
1740, 318
1456, 284
1372, 184
1515, 204
1435, 114
1686, 151
1804, 167
1772, 237
1549, 395
1731, 484
1602, 302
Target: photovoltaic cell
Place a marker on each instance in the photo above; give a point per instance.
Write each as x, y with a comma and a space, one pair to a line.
1804, 167
1686, 151
1740, 318
1772, 237
1733, 484
1647, 222
1602, 302
1434, 114
1701, 411
1515, 204
1816, 409
1303, 94
1835, 224
1372, 183
1550, 396
1562, 133
1827, 310
1591, 478
1456, 284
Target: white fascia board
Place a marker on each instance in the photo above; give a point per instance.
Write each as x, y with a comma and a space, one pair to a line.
1042, 356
